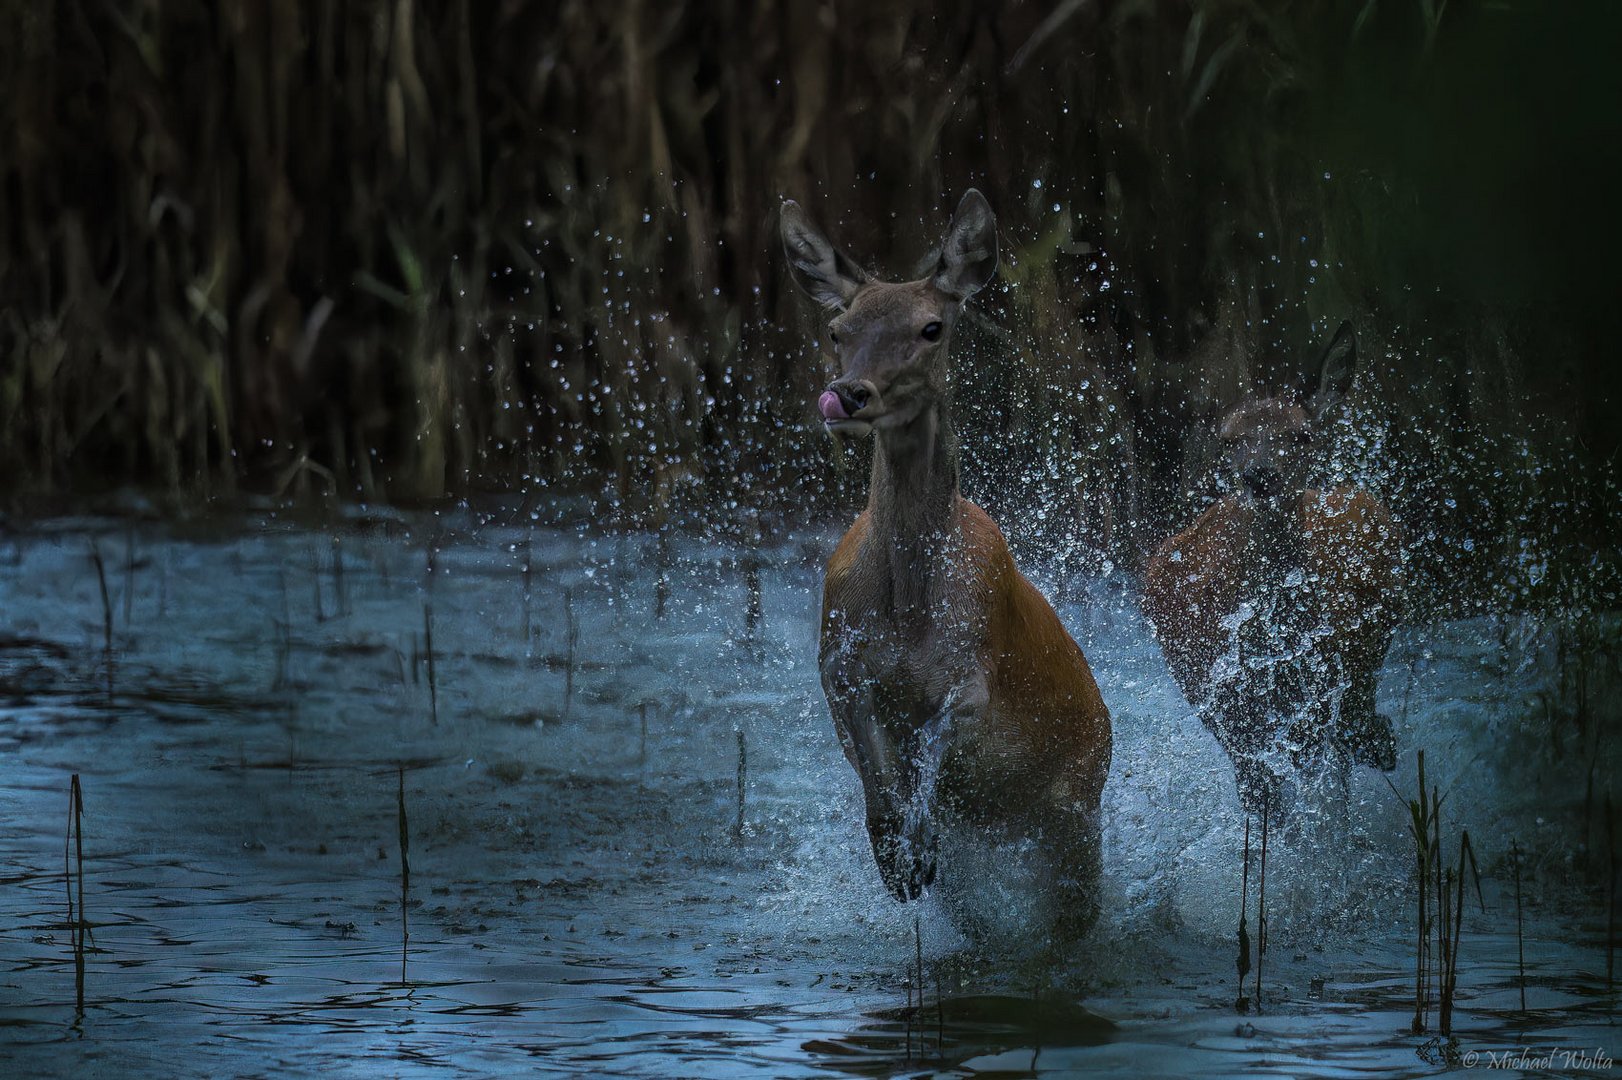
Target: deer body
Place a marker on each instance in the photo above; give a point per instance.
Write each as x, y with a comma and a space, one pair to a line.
1275, 608
958, 696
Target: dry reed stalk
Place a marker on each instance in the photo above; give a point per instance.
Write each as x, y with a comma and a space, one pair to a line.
642, 743
743, 781
1242, 1003
428, 649
1520, 932
753, 608
340, 595
1261, 910
405, 878
526, 572
106, 613
571, 634
73, 871
129, 574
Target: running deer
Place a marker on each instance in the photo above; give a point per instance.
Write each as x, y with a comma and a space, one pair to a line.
958, 696
1275, 608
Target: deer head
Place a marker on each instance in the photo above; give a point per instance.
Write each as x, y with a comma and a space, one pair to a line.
890, 340
1271, 444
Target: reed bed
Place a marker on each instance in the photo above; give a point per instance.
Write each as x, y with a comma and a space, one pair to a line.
409, 249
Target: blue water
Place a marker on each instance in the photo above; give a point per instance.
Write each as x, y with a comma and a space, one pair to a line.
582, 899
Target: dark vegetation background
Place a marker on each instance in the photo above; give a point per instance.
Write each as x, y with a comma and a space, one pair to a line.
411, 249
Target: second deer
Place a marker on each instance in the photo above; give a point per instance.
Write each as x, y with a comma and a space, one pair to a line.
1275, 609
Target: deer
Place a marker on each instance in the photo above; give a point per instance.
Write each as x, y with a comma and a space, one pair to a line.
1275, 608
958, 696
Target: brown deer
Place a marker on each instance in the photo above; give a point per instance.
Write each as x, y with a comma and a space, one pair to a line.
956, 692
1276, 607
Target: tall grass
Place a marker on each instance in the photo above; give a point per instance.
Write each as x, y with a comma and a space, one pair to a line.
1441, 890
409, 248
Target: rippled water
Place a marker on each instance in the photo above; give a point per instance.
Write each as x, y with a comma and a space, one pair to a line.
582, 898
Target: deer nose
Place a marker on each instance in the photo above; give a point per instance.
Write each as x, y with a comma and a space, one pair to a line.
1262, 480
853, 396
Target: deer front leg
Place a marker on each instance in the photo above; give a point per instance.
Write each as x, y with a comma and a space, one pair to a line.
875, 753
946, 723
903, 844
897, 749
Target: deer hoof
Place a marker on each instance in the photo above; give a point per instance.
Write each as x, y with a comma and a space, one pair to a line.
907, 870
1376, 744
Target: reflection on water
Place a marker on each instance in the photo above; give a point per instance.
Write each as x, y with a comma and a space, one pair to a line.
580, 897
972, 1032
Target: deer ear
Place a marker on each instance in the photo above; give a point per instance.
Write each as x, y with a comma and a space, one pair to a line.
821, 271
1335, 371
969, 251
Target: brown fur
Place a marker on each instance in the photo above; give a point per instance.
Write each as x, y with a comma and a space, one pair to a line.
1194, 580
1045, 729
1350, 556
1318, 574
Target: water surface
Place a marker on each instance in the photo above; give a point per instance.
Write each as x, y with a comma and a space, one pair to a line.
582, 897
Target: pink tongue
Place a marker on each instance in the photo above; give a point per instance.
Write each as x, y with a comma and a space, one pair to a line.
832, 408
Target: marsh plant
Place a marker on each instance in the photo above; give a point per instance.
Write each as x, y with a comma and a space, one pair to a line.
1441, 887
73, 877
405, 875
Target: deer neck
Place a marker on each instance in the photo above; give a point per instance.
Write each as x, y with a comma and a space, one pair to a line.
1276, 532
913, 501
1277, 584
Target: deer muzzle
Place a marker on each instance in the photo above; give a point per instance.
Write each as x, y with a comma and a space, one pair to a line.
1263, 481
849, 405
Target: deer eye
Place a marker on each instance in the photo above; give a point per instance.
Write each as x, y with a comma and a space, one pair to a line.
833, 337
931, 331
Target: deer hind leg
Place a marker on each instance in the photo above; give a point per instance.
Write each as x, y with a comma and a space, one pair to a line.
1072, 840
1245, 737
1262, 788
1366, 735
